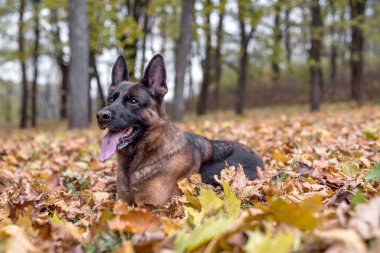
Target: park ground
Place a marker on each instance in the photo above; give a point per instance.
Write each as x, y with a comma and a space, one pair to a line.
317, 194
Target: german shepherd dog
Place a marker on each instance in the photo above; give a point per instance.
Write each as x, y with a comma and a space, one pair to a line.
153, 155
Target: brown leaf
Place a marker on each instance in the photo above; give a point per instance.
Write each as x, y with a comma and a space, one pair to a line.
135, 221
53, 182
366, 220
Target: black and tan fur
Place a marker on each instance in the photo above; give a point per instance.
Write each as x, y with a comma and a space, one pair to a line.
155, 160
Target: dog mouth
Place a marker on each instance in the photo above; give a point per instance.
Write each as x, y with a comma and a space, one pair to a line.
128, 136
116, 140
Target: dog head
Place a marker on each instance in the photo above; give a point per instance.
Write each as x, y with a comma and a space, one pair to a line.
133, 108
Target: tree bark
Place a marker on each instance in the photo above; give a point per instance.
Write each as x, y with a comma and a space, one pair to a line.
8, 104
276, 49
136, 9
333, 64
288, 47
243, 63
36, 52
314, 55
62, 63
182, 51
357, 44
207, 66
102, 99
143, 46
78, 74
24, 81
218, 51
89, 113
333, 48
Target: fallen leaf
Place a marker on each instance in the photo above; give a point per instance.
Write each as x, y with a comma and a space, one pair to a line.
373, 173
265, 243
135, 221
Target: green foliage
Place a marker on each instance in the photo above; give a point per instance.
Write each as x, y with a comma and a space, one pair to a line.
358, 199
373, 174
105, 242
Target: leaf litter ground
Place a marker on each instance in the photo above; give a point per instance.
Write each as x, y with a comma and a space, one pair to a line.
319, 192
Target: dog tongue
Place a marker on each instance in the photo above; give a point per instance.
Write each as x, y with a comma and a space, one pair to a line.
109, 143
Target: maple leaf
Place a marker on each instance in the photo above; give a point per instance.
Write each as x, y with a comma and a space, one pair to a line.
302, 215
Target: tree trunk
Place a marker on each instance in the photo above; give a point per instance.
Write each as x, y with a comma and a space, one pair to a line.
315, 55
357, 44
288, 47
136, 9
89, 98
276, 49
333, 65
64, 90
182, 51
102, 99
333, 48
63, 65
218, 51
8, 104
21, 46
243, 63
202, 102
36, 53
143, 46
78, 74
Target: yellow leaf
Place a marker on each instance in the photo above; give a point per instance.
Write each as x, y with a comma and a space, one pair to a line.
125, 248
185, 242
311, 181
260, 243
210, 202
301, 215
16, 240
231, 202
55, 219
350, 169
280, 157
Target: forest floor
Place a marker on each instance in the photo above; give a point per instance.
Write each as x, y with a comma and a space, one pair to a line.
319, 192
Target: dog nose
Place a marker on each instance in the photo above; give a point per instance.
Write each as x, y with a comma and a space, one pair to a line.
104, 115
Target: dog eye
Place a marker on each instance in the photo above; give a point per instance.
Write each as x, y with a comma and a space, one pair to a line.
110, 101
133, 101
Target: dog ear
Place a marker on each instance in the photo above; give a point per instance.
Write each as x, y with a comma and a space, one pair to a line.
155, 76
119, 71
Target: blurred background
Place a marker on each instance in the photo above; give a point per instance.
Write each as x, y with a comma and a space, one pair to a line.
56, 56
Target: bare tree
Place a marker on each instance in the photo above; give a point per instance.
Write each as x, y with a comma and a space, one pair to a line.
357, 44
277, 35
95, 74
146, 30
21, 48
218, 50
78, 74
333, 46
182, 51
288, 48
62, 60
36, 52
315, 55
207, 63
246, 34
